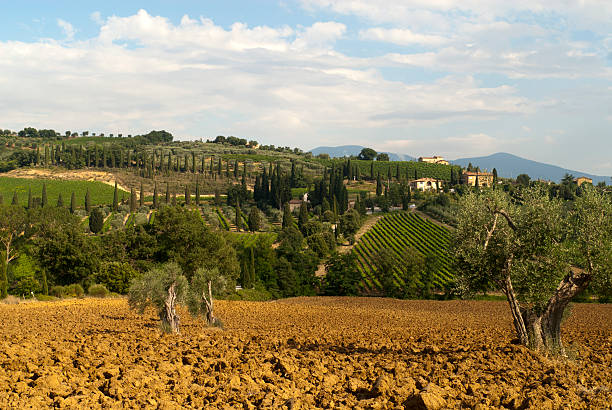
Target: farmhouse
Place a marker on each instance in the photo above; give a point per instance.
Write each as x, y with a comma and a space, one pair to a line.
581, 180
483, 178
425, 184
295, 204
434, 160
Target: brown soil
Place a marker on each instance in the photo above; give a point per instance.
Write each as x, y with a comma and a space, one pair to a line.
63, 174
298, 353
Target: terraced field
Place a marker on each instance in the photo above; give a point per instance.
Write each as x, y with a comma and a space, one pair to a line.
302, 353
398, 231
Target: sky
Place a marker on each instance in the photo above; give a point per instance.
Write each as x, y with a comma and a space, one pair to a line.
419, 77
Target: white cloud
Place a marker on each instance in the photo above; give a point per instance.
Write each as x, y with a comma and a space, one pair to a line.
96, 17
68, 29
195, 77
401, 37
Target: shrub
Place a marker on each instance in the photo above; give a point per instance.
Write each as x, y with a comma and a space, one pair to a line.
11, 300
97, 291
75, 290
44, 298
26, 286
116, 276
57, 291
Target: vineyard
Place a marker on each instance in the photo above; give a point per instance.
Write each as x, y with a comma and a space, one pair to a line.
397, 232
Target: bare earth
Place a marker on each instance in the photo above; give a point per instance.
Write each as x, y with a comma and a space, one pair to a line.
62, 174
298, 353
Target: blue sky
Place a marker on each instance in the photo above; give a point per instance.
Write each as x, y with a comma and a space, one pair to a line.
418, 77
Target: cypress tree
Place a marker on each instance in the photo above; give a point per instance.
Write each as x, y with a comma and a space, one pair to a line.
197, 193
378, 185
115, 198
72, 202
193, 162
167, 193
173, 198
416, 175
244, 171
44, 195
87, 201
187, 195
155, 199
60, 201
141, 194
287, 217
237, 218
219, 168
29, 198
15, 199
236, 169
44, 282
251, 267
372, 170
96, 220
227, 171
132, 200
303, 218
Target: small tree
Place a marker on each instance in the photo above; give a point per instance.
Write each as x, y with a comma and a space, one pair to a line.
287, 217
200, 296
72, 202
132, 200
44, 195
12, 225
60, 201
303, 217
96, 220
115, 198
254, 219
161, 288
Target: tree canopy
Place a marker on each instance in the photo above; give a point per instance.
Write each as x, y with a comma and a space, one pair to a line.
538, 252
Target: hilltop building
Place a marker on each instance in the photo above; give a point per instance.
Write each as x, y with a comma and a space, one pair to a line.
434, 160
483, 178
425, 184
581, 180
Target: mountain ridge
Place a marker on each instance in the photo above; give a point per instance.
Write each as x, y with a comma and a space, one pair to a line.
507, 165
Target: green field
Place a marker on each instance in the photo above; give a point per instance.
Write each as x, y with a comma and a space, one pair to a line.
99, 193
398, 231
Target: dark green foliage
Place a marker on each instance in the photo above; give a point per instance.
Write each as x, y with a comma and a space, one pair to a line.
303, 216
96, 220
287, 217
254, 219
15, 200
44, 200
72, 202
115, 198
342, 277
57, 291
97, 291
87, 201
142, 195
116, 276
60, 201
367, 154
74, 290
132, 200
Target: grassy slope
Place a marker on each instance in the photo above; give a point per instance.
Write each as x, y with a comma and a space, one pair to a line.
100, 193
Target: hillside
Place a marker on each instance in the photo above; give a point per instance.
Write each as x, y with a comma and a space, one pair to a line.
509, 166
354, 150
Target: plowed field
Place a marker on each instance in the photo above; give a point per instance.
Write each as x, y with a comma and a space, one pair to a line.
298, 353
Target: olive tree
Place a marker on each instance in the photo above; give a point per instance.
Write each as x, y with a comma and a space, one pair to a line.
206, 284
161, 288
12, 225
539, 251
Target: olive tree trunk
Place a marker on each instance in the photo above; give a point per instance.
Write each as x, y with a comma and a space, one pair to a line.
168, 316
542, 330
208, 301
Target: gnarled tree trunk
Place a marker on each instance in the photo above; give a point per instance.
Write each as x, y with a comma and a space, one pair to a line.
168, 316
542, 330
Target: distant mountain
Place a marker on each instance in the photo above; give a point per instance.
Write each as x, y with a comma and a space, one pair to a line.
509, 166
348, 150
